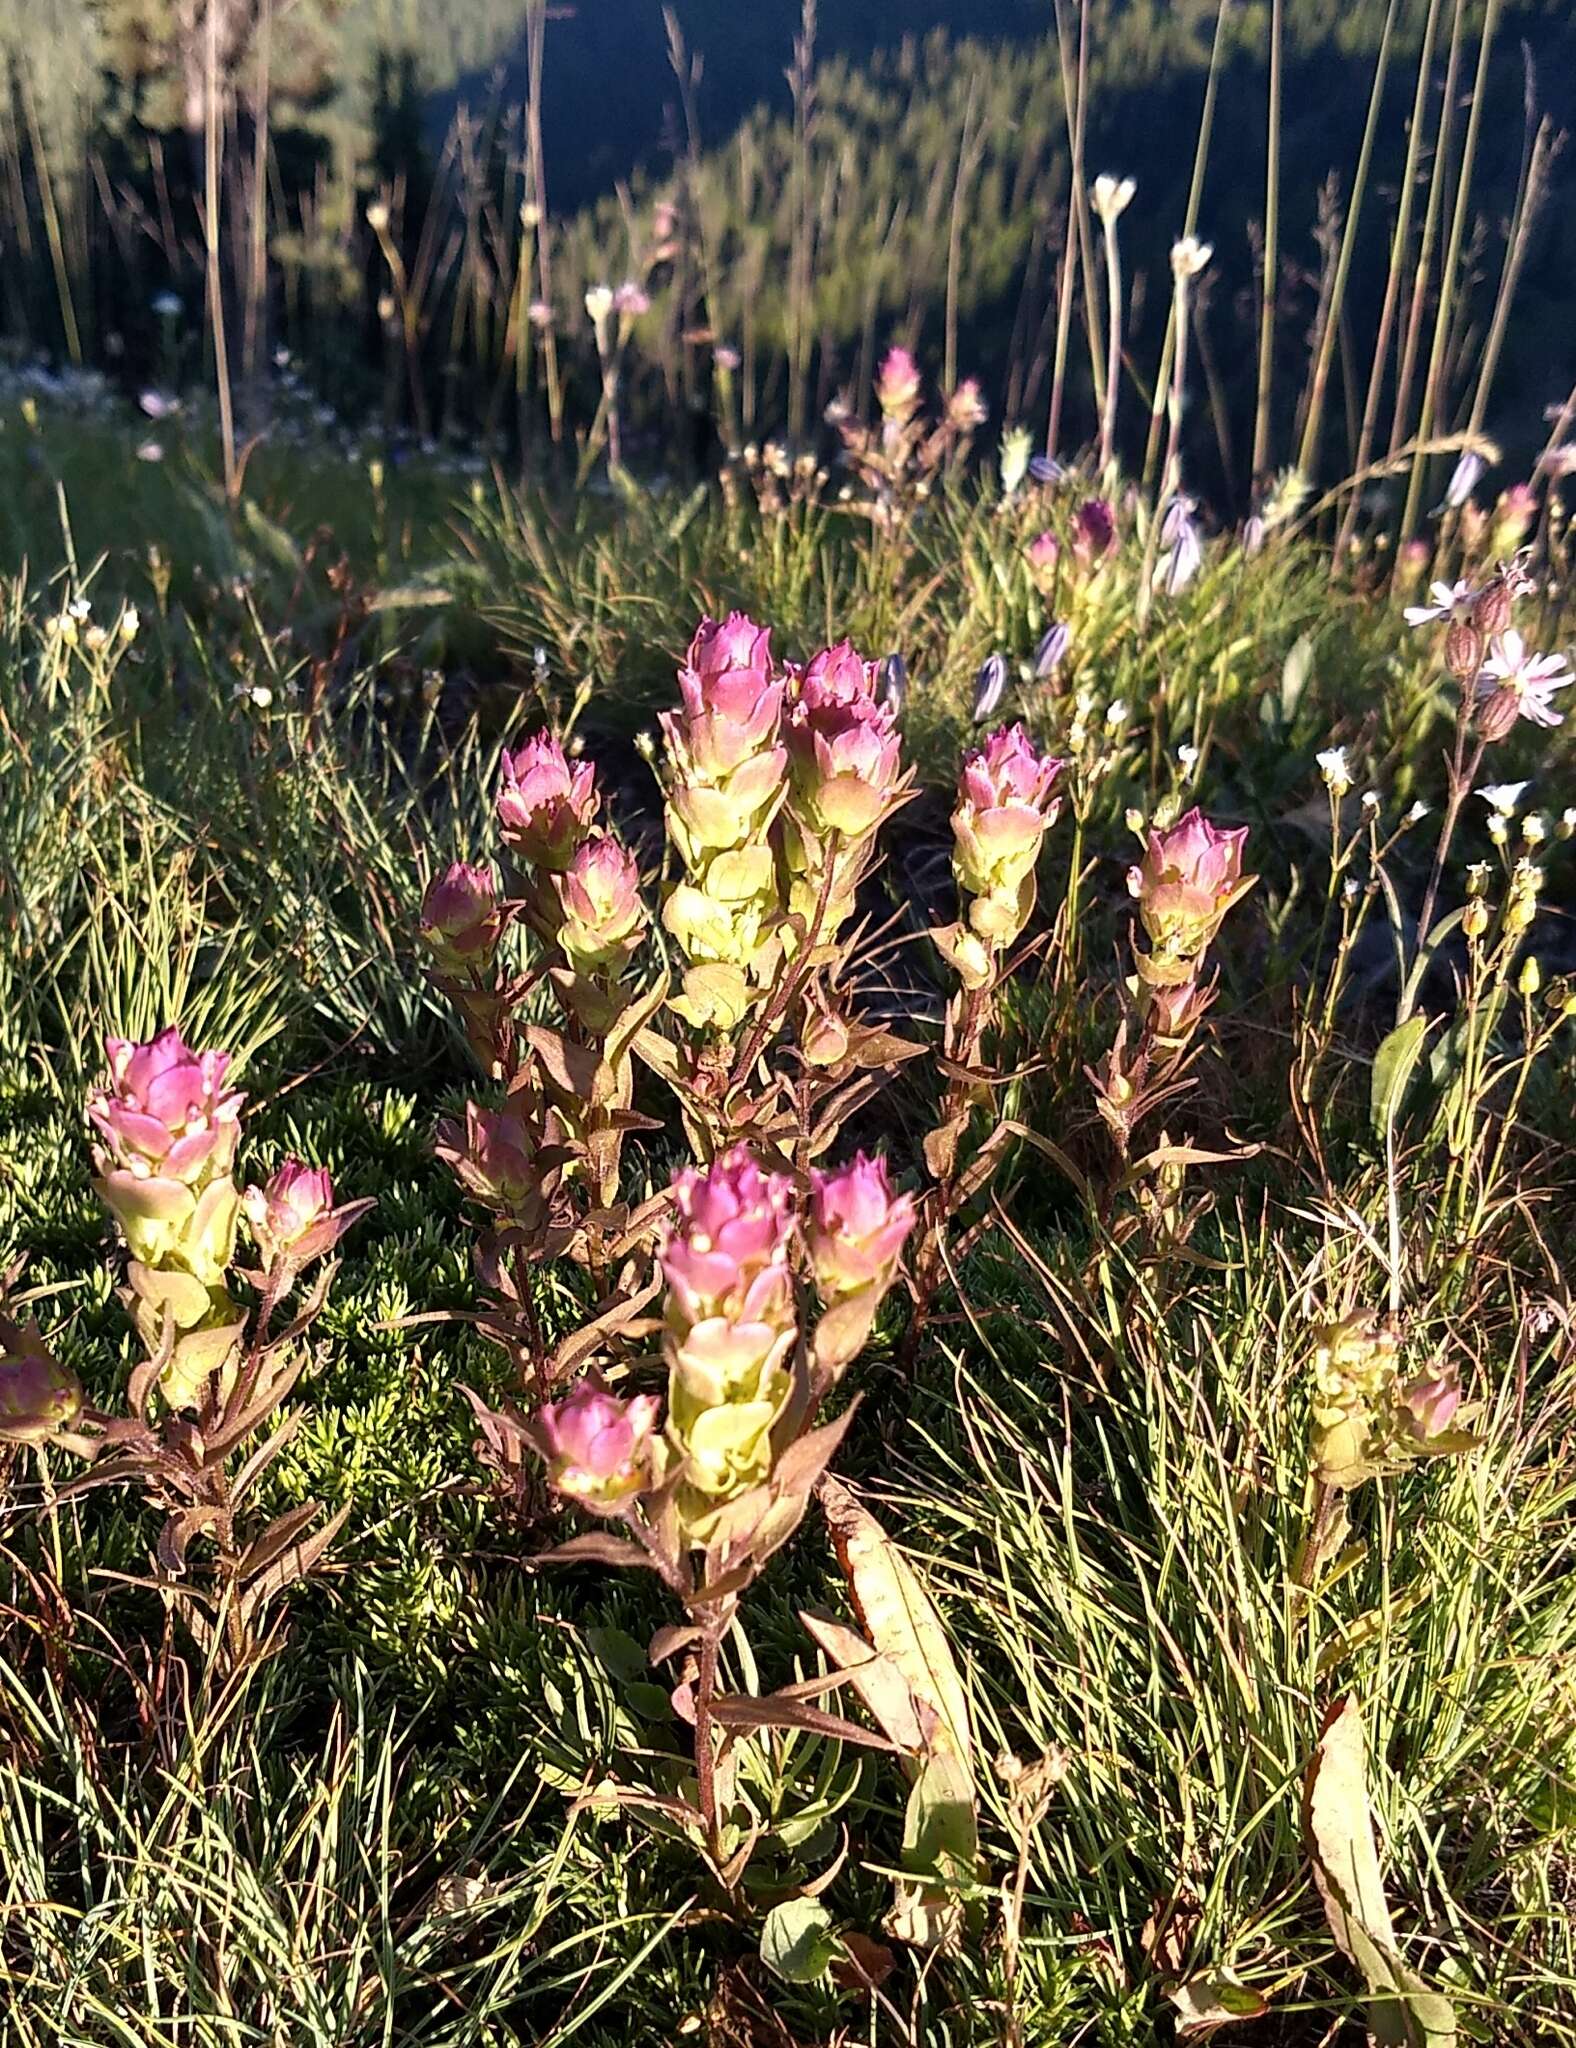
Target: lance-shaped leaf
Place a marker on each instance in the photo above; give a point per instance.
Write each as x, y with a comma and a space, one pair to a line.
898, 1617
1402, 2011
1392, 1070
940, 1828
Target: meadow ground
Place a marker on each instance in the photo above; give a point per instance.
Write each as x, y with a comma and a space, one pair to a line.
1111, 1445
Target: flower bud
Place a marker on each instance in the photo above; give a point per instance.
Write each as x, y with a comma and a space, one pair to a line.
38, 1395
291, 1218
1190, 876
966, 408
1043, 553
459, 917
603, 915
856, 1227
493, 1156
898, 385
1530, 980
1474, 918
1429, 1402
1094, 531
1463, 649
1491, 612
1497, 714
547, 803
599, 1450
1052, 650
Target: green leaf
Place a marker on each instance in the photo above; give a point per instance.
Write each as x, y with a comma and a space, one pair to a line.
1393, 1066
1215, 1998
797, 1941
1402, 2011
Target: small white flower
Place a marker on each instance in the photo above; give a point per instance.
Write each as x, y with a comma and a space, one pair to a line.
1116, 714
599, 302
1503, 797
1534, 829
1349, 889
1112, 196
1418, 812
1531, 678
1499, 828
80, 607
158, 405
1370, 800
1189, 256
1451, 601
1188, 756
1333, 767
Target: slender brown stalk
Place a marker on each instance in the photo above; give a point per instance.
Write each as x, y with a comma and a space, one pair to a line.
1434, 394
1073, 109
1432, 212
1206, 124
1308, 453
221, 357
535, 53
1269, 280
1392, 291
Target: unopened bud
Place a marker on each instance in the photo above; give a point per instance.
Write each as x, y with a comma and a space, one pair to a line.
1491, 613
1497, 714
1463, 650
1531, 976
1474, 919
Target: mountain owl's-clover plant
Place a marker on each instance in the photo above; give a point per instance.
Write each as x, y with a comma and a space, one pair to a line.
223, 1352
705, 1487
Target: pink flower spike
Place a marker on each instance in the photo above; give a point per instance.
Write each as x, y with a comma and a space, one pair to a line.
856, 1227
166, 1110
459, 916
897, 384
547, 803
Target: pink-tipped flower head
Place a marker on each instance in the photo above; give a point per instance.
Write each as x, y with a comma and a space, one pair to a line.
1190, 876
1006, 801
547, 804
459, 917
1173, 1011
856, 1227
732, 695
293, 1219
897, 384
1429, 1402
836, 677
727, 765
1043, 554
966, 408
599, 895
599, 1449
847, 756
493, 1156
726, 1253
1513, 516
38, 1395
1094, 531
166, 1113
